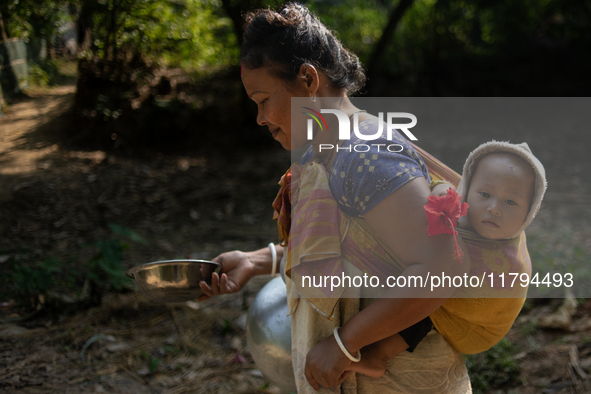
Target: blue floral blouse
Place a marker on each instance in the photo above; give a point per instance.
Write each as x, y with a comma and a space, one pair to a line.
360, 180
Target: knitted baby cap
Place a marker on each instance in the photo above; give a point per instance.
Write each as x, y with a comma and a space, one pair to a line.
522, 150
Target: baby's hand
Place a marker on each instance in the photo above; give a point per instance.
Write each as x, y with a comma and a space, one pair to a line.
440, 190
373, 361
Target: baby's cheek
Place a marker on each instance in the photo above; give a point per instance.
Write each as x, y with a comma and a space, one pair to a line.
471, 215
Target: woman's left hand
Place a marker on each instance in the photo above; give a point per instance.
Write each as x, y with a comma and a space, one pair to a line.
326, 364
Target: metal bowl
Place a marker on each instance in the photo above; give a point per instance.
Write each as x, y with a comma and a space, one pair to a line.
173, 280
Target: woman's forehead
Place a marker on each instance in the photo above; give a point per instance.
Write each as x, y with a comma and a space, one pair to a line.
262, 80
257, 79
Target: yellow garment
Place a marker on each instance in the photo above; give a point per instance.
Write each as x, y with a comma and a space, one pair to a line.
477, 318
473, 321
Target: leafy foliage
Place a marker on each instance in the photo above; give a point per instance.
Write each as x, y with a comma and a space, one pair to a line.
131, 92
358, 23
32, 281
439, 46
44, 73
463, 41
493, 368
192, 34
34, 284
153, 362
106, 268
33, 18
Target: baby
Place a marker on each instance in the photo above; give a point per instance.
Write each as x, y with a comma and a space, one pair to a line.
504, 185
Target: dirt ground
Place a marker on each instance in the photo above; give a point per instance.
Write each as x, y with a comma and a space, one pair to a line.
54, 199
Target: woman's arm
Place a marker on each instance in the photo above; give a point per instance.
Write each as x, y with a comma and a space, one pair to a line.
237, 269
401, 223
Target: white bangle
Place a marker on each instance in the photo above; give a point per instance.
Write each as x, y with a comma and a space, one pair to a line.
274, 254
340, 343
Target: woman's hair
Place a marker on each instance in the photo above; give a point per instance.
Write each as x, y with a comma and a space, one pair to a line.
284, 41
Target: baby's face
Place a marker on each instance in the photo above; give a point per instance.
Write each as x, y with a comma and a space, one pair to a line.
500, 195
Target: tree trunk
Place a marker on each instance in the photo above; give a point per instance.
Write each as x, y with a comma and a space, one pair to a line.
83, 26
2, 31
380, 48
235, 14
237, 22
49, 46
433, 68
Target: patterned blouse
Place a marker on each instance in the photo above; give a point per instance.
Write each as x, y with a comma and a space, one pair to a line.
360, 180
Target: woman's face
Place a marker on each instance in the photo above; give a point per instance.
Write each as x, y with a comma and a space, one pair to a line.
272, 96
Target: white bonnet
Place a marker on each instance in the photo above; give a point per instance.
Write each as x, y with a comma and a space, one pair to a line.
522, 150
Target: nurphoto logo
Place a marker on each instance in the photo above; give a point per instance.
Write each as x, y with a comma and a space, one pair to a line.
345, 129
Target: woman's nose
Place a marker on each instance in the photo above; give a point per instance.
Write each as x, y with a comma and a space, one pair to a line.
261, 118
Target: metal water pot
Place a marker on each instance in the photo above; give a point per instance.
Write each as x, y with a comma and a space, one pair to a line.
268, 334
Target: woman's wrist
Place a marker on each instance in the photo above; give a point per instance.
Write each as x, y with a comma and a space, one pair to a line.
348, 354
349, 340
262, 259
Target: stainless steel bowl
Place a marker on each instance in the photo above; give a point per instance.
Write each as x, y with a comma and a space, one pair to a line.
173, 280
268, 334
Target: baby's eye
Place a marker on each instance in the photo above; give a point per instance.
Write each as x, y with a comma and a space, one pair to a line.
511, 202
262, 102
484, 194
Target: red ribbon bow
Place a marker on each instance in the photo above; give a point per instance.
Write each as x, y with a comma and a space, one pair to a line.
443, 214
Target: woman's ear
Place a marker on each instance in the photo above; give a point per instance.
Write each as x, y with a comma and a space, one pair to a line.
309, 76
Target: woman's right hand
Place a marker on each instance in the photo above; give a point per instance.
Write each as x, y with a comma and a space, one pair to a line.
237, 269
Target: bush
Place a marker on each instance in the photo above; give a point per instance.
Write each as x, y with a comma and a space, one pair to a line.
44, 73
135, 104
49, 282
493, 368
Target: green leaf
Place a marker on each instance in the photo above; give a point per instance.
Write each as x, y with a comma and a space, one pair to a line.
111, 251
128, 233
153, 365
